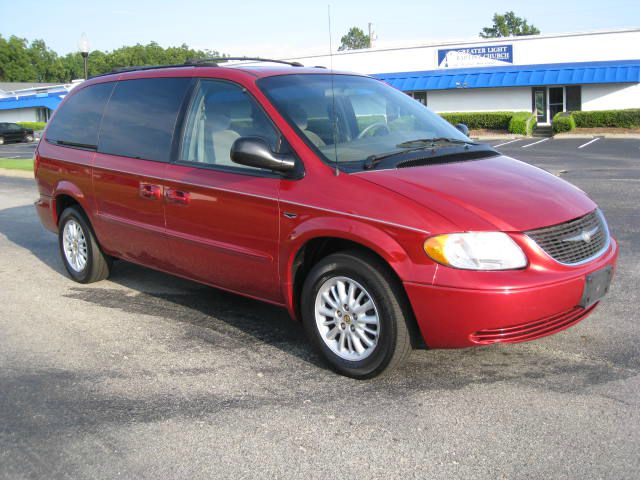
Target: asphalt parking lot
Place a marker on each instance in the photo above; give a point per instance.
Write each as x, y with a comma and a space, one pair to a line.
17, 150
149, 376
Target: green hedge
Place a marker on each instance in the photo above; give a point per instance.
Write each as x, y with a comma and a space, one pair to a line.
35, 126
563, 122
522, 123
480, 120
608, 118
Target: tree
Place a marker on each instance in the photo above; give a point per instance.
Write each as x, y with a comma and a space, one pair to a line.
48, 66
508, 25
15, 61
21, 61
355, 39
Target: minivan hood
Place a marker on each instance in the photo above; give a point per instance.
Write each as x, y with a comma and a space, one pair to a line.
493, 193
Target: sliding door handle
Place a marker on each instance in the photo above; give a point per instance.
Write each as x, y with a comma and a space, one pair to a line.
150, 191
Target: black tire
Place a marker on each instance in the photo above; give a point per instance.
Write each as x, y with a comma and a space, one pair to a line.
98, 265
1, 140
394, 342
28, 138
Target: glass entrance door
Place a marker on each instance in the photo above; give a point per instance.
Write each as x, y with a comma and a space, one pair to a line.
540, 103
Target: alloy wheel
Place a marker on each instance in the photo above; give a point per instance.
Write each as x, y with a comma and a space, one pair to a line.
75, 246
347, 318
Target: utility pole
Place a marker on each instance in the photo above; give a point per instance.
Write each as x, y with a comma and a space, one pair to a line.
370, 35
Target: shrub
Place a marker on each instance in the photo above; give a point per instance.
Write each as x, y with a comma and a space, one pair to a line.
35, 126
522, 123
480, 120
608, 118
563, 122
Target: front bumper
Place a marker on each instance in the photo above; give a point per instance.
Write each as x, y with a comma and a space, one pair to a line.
456, 317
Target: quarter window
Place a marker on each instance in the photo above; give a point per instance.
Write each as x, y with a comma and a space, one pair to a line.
140, 118
221, 113
77, 120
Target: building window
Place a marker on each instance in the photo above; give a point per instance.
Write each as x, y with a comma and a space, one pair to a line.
420, 96
574, 98
43, 114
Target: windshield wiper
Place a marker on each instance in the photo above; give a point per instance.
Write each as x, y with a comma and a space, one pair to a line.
433, 141
412, 146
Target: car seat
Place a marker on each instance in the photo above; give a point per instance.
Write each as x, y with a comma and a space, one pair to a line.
300, 118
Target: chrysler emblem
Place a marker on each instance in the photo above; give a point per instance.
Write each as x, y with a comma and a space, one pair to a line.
583, 236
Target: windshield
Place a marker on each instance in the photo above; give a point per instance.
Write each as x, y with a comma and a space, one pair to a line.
369, 117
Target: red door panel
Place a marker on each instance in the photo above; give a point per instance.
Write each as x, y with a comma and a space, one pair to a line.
130, 208
223, 229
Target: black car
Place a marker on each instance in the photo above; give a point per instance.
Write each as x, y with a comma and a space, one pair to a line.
12, 132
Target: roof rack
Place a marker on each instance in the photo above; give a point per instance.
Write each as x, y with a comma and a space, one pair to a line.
198, 62
216, 60
145, 67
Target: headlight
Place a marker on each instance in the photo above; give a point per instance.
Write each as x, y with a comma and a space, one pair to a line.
476, 251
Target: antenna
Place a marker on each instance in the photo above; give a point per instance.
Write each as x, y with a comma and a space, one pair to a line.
333, 96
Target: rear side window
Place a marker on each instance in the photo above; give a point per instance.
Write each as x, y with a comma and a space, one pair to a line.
140, 118
77, 120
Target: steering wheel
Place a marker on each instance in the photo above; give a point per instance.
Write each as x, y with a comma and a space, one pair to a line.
373, 127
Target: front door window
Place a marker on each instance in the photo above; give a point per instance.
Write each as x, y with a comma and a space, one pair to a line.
220, 113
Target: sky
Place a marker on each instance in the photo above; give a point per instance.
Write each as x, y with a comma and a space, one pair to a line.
287, 28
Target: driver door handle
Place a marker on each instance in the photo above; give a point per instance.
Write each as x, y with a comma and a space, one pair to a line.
177, 196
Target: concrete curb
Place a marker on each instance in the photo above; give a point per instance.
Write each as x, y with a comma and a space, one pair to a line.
596, 135
498, 137
5, 172
559, 136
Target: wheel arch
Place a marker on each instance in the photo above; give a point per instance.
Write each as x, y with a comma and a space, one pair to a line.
67, 194
314, 242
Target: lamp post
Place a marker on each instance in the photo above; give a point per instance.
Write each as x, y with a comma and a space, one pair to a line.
83, 46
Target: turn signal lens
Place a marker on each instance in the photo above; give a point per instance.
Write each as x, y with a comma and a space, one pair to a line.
476, 251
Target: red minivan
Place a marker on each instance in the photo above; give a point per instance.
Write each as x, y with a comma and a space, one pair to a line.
372, 220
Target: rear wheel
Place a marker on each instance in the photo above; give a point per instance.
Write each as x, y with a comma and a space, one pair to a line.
79, 249
354, 313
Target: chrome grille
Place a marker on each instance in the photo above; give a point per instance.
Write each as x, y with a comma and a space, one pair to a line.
575, 241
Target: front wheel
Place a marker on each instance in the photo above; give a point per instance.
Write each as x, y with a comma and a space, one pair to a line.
79, 249
354, 313
28, 138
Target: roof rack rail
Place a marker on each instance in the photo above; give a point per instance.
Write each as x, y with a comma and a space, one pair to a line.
139, 68
197, 62
216, 60
147, 67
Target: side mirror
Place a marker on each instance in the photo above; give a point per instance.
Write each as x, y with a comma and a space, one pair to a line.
463, 128
255, 152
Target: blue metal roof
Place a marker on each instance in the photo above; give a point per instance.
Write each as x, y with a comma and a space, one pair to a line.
39, 100
583, 73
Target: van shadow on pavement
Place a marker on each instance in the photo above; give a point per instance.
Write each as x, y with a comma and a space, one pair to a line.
230, 321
